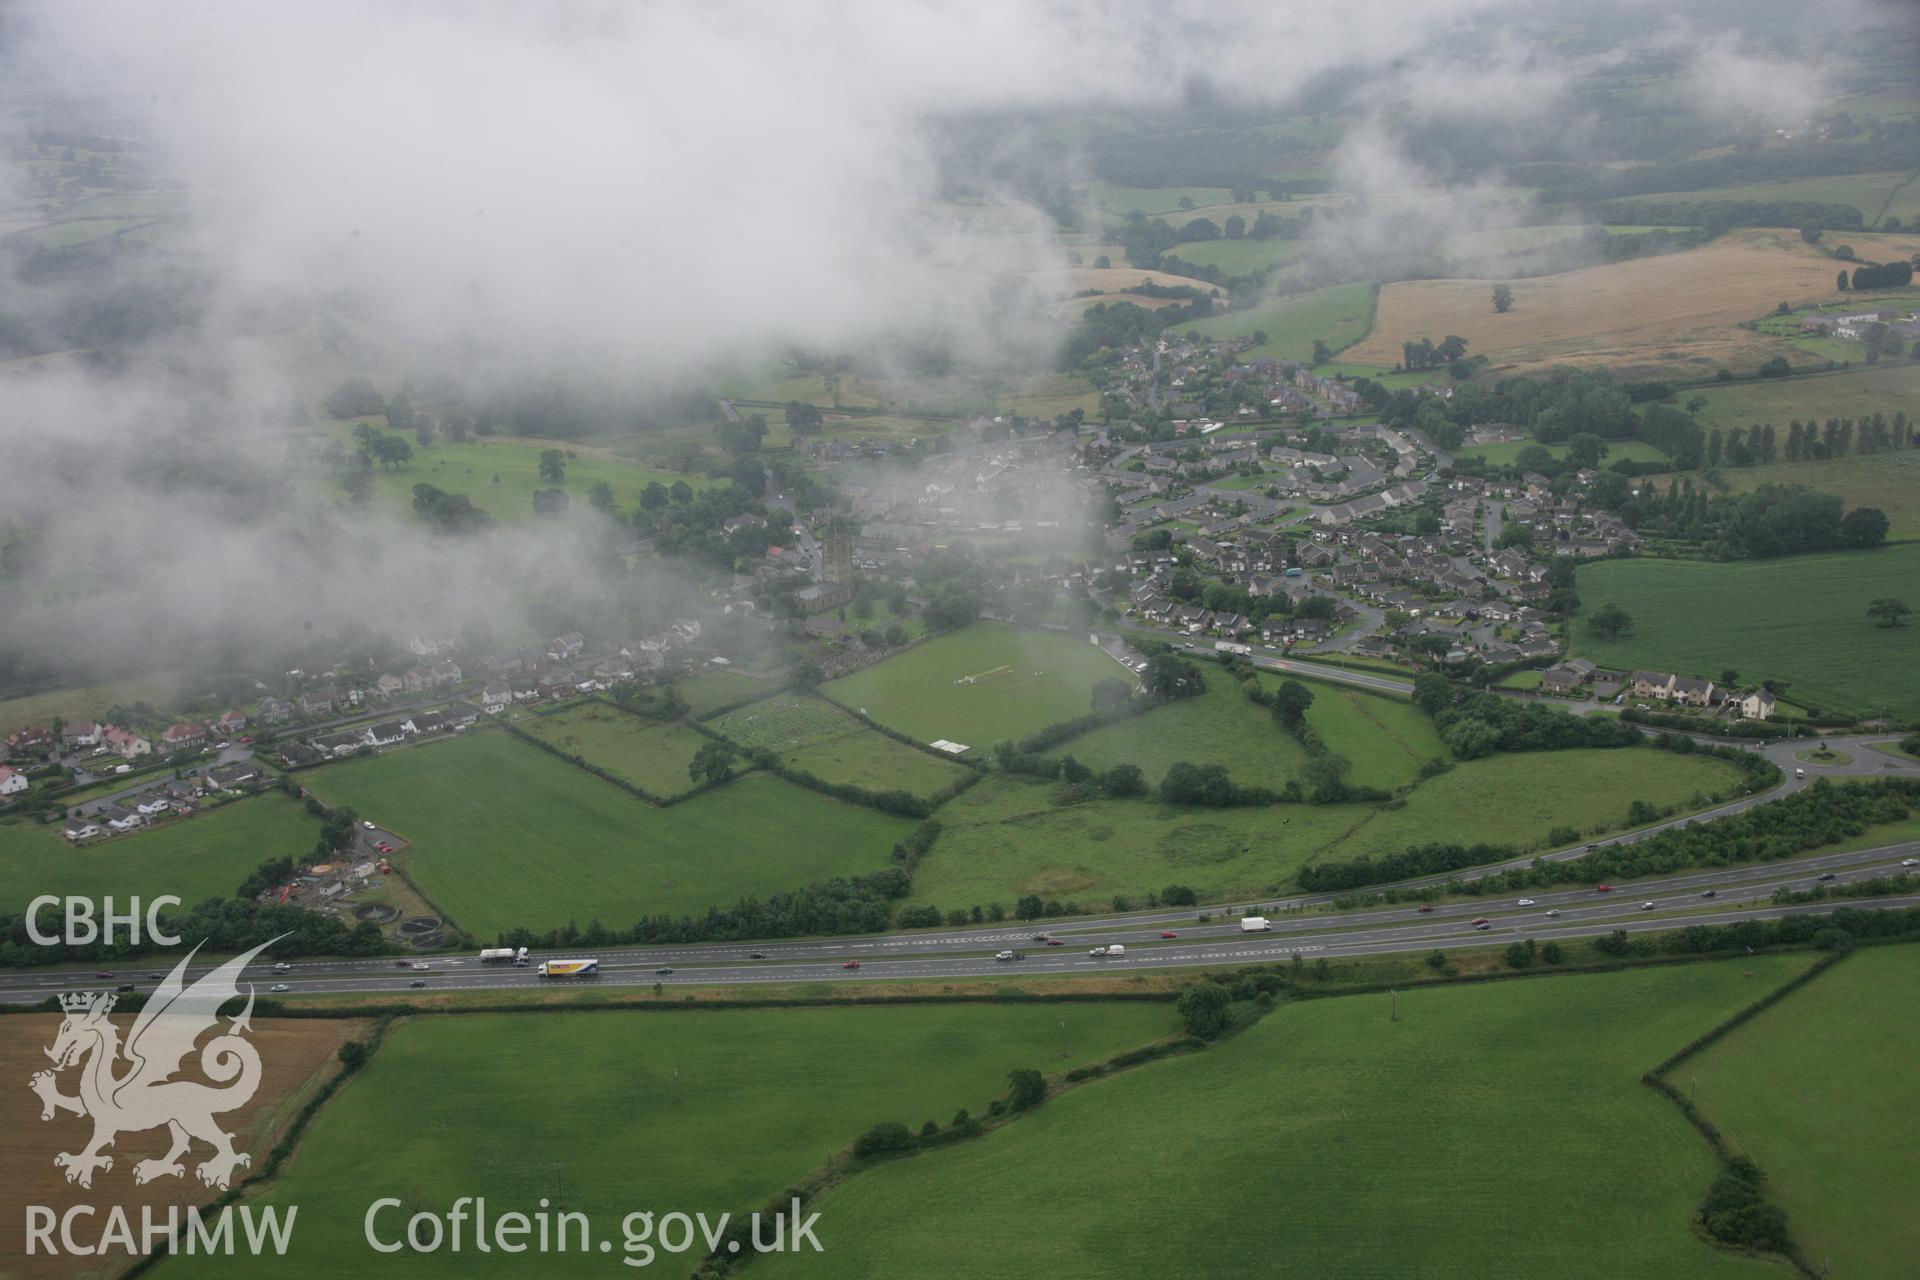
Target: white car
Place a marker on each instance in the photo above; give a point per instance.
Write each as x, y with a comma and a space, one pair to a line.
369, 826
1646, 906
283, 967
279, 986
1553, 915
1910, 862
1526, 902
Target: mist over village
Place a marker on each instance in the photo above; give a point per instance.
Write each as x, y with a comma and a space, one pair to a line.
1111, 637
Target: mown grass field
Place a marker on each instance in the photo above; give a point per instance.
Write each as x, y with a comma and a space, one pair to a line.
205, 856
654, 757
609, 1113
1005, 838
1492, 1130
1021, 681
1866, 192
818, 737
1801, 619
1338, 315
1860, 392
1503, 454
1841, 1142
1242, 256
1386, 739
505, 835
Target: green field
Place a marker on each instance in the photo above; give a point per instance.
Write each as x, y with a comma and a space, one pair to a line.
1338, 315
205, 856
1120, 200
610, 1113
506, 835
1866, 192
653, 757
1860, 392
1239, 257
816, 736
1889, 481
88, 701
1801, 619
1386, 739
711, 690
499, 475
1005, 838
1503, 455
1022, 681
1495, 1130
1816, 1091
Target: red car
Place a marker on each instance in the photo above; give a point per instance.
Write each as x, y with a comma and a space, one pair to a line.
1605, 888
1424, 907
1168, 933
1483, 923
403, 964
851, 964
104, 973
1055, 942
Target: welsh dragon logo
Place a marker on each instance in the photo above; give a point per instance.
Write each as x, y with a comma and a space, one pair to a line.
144, 1095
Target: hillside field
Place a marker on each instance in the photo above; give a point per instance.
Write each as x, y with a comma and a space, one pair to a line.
1021, 681
1889, 481
653, 757
1885, 388
1867, 192
205, 856
1489, 1130
1801, 619
1835, 1159
297, 1056
1676, 312
506, 835
1005, 838
1239, 257
727, 1108
1338, 315
1504, 453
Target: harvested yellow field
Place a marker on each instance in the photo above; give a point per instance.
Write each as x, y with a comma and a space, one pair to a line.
1678, 313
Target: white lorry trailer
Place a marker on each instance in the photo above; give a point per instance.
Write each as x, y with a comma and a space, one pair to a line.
1255, 924
503, 955
1113, 952
570, 969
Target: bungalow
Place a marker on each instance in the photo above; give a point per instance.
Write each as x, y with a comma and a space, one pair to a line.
298, 754
458, 715
1565, 677
388, 732
340, 744
121, 819
77, 829
231, 777
182, 735
495, 698
1758, 705
12, 781
152, 804
429, 722
125, 742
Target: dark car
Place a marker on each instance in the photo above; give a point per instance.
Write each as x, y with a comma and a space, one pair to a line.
1424, 907
1827, 876
1710, 893
851, 964
403, 964
756, 955
1039, 937
155, 977
664, 969
125, 986
418, 982
1055, 942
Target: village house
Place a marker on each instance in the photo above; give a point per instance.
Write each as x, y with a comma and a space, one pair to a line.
445, 672
566, 646
120, 819
495, 698
417, 679
12, 781
274, 711
75, 736
1758, 705
125, 742
29, 741
77, 829
388, 686
388, 732
231, 723
430, 646
316, 702
178, 737
1567, 677
231, 777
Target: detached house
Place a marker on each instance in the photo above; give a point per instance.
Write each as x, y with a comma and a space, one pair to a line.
125, 742
1758, 705
78, 829
185, 734
12, 781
